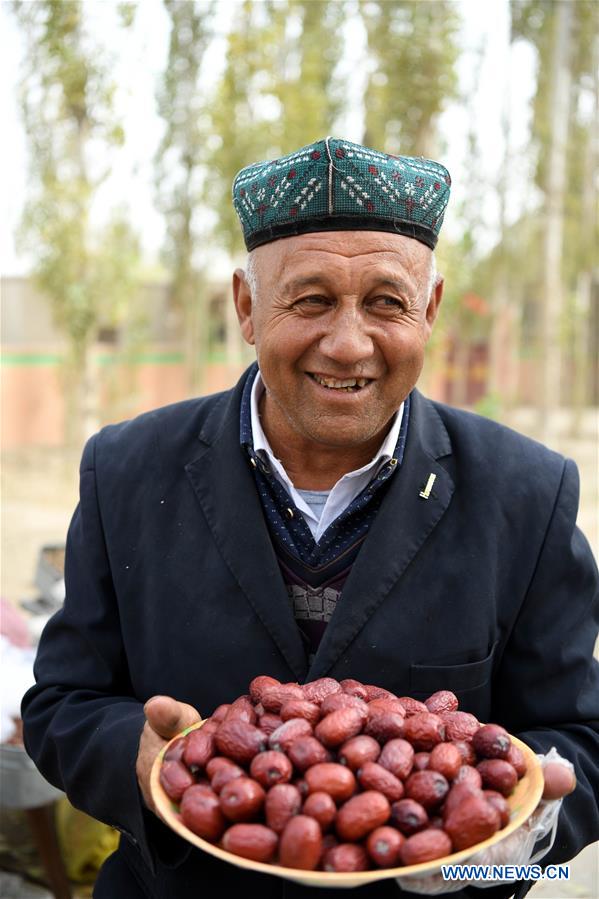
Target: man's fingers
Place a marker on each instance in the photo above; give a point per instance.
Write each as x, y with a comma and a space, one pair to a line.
559, 780
167, 717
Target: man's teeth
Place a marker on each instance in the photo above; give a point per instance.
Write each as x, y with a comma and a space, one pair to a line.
338, 385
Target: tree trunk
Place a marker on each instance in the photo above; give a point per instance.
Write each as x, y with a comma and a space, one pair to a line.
501, 334
584, 288
196, 330
81, 395
552, 295
89, 392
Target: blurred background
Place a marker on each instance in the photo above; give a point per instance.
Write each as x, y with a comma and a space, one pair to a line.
124, 125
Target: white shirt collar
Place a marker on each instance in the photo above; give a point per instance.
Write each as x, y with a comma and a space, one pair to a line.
347, 487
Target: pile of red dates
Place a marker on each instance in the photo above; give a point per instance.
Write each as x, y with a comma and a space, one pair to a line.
342, 776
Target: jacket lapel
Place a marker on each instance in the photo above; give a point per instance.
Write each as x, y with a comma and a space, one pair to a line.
402, 525
222, 480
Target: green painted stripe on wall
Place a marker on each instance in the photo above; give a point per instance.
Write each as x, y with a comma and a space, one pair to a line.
31, 359
154, 358
168, 358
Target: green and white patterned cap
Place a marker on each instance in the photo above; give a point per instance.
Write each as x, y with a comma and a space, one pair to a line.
335, 185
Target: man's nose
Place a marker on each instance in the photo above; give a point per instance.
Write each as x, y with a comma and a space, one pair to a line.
347, 340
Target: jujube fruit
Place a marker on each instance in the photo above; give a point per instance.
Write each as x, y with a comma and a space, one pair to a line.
329, 777
316, 690
300, 844
270, 768
291, 730
383, 846
446, 759
254, 841
335, 701
274, 698
491, 742
261, 683
442, 701
499, 803
424, 731
398, 757
425, 846
472, 821
515, 757
175, 779
361, 814
459, 725
223, 774
354, 688
337, 727
386, 726
372, 776
408, 816
300, 708
306, 752
497, 774
242, 799
429, 788
199, 749
468, 774
359, 750
239, 740
201, 813
346, 857
322, 807
282, 802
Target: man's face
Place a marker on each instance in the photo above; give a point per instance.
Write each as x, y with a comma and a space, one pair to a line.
340, 321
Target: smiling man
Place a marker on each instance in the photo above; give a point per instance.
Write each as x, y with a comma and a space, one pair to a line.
322, 518
340, 321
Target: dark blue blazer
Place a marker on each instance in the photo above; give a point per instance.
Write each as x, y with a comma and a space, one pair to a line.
486, 588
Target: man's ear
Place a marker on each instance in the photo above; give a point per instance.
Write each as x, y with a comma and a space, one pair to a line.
433, 305
243, 305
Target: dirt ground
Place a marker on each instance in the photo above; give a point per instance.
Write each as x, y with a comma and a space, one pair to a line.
39, 494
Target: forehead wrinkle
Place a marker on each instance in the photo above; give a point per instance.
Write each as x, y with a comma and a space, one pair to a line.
276, 257
368, 279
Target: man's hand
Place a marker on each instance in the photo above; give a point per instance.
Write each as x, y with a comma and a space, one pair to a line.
165, 718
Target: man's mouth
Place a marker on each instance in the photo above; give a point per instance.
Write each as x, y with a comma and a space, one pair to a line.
349, 385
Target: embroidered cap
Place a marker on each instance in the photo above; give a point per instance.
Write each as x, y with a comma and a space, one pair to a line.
335, 185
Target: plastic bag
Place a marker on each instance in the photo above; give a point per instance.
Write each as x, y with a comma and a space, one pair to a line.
516, 849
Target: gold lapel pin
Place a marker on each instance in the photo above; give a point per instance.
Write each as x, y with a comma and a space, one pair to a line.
429, 486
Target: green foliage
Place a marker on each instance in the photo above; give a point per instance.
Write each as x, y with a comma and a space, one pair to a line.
489, 405
180, 164
67, 96
535, 21
413, 50
180, 156
244, 109
310, 96
278, 91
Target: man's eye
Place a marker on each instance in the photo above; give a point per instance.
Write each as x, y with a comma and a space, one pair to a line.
388, 303
313, 301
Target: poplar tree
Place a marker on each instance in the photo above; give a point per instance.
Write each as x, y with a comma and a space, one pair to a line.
180, 163
67, 94
564, 36
413, 51
308, 87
